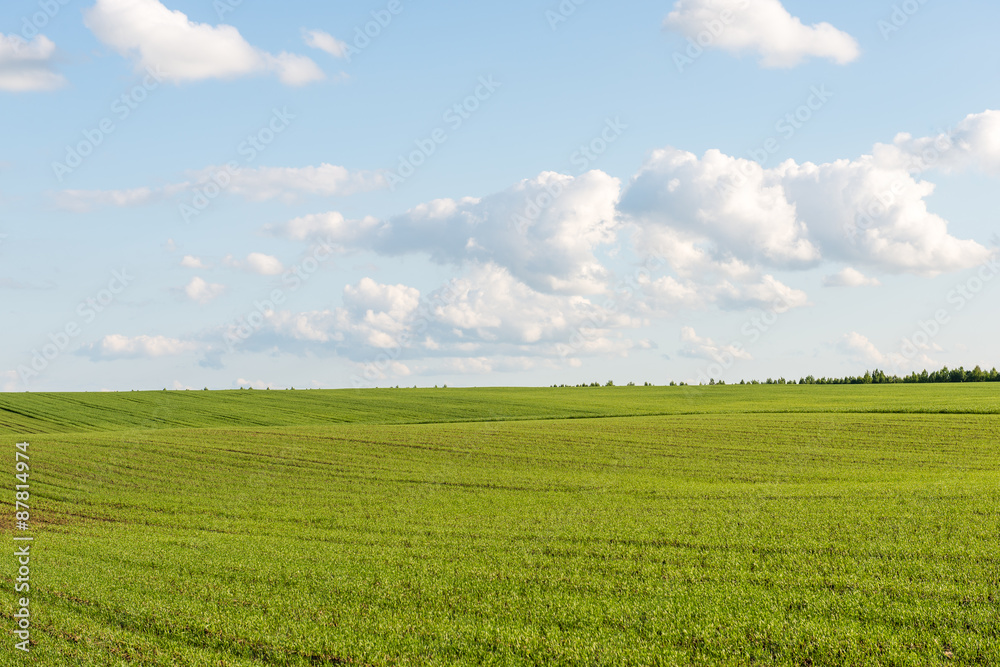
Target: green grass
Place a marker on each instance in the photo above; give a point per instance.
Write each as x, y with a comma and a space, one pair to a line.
26, 414
775, 525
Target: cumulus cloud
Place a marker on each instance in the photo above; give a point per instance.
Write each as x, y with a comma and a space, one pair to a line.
544, 230
264, 265
723, 226
191, 262
490, 304
911, 354
484, 314
725, 209
697, 347
741, 206
763, 27
318, 39
254, 384
850, 277
862, 212
257, 184
28, 65
256, 262
201, 291
667, 295
182, 50
117, 346
863, 349
376, 314
974, 143
332, 227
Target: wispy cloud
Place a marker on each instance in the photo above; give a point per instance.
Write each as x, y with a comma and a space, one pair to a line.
258, 184
117, 346
318, 39
28, 66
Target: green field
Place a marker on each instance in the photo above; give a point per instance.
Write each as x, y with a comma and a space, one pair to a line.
728, 525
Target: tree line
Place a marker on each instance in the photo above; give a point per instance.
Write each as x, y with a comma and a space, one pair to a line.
876, 376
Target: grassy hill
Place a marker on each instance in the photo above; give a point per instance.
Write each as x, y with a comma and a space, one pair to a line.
776, 525
27, 413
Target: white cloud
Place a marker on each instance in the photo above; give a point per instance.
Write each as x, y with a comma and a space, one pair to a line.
378, 314
373, 316
702, 279
491, 305
327, 180
264, 265
740, 206
256, 384
763, 27
393, 371
704, 348
27, 66
83, 201
485, 314
256, 262
724, 225
718, 209
331, 226
863, 349
544, 230
974, 143
202, 291
257, 184
864, 213
191, 262
850, 277
168, 42
117, 346
10, 381
909, 356
318, 39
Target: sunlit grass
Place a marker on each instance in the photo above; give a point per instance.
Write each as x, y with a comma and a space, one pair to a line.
764, 531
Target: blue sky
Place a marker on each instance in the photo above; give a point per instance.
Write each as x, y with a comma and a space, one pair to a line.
224, 194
